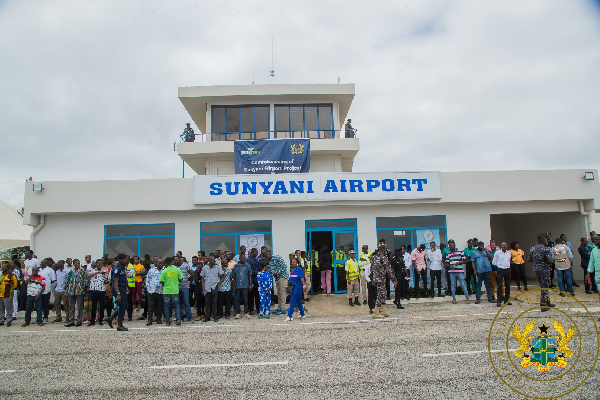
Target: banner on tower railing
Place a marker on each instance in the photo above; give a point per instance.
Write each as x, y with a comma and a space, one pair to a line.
274, 156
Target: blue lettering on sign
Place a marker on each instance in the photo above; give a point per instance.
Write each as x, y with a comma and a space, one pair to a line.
419, 183
266, 186
372, 184
356, 185
297, 187
280, 188
403, 184
216, 189
330, 186
248, 187
387, 185
343, 186
229, 190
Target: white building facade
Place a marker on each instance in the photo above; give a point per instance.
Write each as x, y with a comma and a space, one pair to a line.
331, 205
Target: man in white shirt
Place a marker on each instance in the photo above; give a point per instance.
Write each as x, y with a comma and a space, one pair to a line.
502, 260
69, 265
408, 264
371, 289
49, 278
88, 263
30, 261
363, 260
434, 259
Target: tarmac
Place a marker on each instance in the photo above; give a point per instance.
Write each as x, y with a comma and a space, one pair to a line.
431, 349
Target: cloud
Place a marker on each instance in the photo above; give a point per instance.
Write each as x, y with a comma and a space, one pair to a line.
88, 90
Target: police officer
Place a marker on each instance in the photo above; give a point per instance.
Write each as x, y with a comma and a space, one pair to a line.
541, 256
119, 290
399, 269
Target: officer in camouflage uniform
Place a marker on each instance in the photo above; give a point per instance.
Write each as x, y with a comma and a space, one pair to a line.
541, 256
381, 272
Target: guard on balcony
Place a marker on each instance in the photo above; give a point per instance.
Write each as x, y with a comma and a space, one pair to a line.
188, 134
350, 131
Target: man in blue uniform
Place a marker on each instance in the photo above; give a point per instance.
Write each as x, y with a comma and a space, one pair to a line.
119, 292
297, 278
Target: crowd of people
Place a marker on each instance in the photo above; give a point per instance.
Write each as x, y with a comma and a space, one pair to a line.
106, 290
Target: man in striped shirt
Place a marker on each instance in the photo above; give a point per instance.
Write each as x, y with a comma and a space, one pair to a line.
455, 261
35, 287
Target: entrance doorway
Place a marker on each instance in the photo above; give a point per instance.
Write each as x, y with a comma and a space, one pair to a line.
337, 237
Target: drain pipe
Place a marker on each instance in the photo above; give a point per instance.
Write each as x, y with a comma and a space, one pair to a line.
586, 215
36, 231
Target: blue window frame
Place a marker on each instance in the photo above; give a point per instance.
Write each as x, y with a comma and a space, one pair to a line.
235, 122
140, 239
227, 235
398, 231
304, 120
412, 231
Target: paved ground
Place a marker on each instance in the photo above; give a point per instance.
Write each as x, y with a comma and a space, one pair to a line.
432, 349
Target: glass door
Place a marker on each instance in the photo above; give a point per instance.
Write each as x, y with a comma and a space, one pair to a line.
338, 237
344, 242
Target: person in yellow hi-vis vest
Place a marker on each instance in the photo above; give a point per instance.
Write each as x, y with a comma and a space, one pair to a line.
352, 274
305, 264
363, 261
130, 288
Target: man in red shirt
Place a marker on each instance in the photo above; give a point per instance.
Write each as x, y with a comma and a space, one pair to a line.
35, 287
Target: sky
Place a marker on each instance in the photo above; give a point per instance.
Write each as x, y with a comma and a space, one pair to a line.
88, 90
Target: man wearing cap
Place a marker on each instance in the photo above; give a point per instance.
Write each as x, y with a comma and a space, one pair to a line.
381, 271
348, 128
119, 290
352, 273
541, 256
188, 133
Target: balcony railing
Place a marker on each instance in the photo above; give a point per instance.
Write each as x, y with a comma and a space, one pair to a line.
223, 137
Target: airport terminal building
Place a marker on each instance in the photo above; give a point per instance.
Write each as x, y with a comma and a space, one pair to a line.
327, 204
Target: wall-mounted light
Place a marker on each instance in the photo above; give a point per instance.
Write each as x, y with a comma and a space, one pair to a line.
588, 176
37, 187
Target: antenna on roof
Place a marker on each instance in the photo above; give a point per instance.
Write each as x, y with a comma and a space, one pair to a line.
272, 71
253, 74
338, 78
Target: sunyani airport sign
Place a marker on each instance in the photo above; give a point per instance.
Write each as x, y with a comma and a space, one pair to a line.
215, 189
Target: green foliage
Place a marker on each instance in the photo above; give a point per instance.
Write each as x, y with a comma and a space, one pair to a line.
9, 253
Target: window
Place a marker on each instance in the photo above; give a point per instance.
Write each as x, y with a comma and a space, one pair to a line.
152, 239
230, 235
308, 121
239, 122
412, 231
